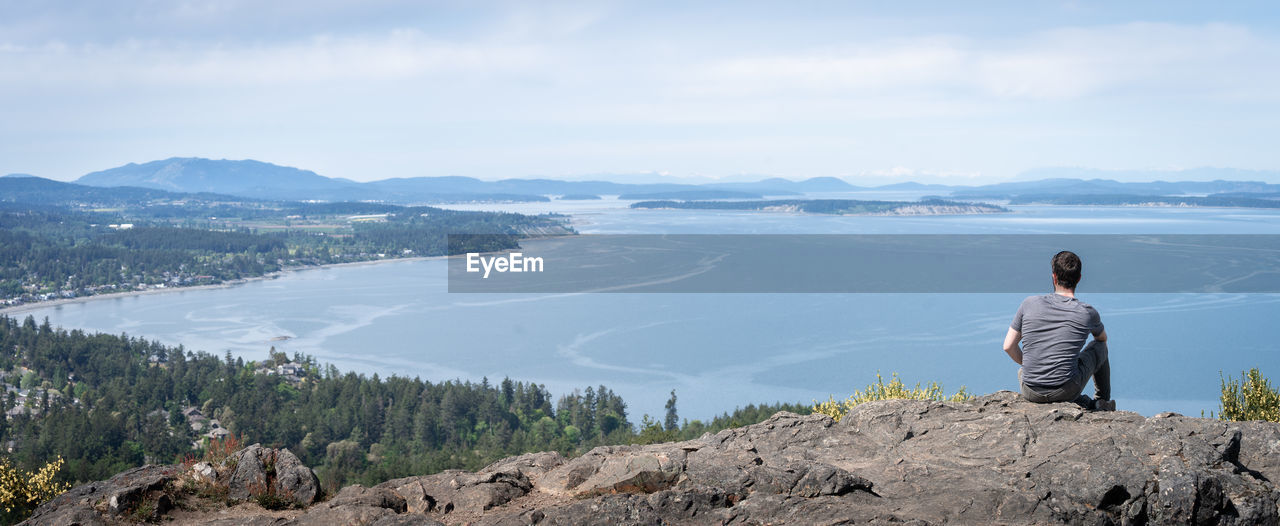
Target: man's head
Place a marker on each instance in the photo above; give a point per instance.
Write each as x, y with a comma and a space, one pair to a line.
1066, 269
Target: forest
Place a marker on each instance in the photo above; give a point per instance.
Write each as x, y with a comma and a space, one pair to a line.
105, 403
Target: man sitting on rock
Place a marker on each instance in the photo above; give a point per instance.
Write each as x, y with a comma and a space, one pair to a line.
1056, 363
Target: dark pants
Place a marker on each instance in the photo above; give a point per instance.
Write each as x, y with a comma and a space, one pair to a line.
1091, 364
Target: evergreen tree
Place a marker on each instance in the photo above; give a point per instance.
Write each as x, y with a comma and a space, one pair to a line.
672, 422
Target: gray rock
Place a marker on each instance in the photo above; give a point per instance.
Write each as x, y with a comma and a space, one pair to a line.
204, 472
355, 506
618, 469
461, 491
995, 459
100, 502
260, 520
358, 495
605, 510
256, 469
66, 516
344, 515
532, 465
407, 519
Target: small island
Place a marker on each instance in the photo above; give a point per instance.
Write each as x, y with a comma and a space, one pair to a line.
690, 195
835, 206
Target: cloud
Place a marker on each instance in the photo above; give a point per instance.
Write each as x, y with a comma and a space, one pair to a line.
931, 74
390, 88
397, 54
1058, 64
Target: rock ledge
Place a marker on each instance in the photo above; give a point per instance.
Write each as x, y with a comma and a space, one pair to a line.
997, 459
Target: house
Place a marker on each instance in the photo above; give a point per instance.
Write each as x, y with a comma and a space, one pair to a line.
216, 431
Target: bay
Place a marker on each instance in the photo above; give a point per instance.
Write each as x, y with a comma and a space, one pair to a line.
718, 351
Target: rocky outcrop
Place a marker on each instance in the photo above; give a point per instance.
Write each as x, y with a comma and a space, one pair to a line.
995, 460
473, 493
113, 500
256, 469
147, 493
357, 505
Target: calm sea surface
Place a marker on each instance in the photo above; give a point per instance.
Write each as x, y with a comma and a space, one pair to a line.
719, 351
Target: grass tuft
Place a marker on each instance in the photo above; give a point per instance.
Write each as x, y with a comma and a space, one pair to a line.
894, 390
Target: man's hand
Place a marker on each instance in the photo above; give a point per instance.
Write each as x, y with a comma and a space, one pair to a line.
1011, 345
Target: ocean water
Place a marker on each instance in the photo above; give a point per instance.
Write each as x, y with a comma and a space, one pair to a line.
719, 351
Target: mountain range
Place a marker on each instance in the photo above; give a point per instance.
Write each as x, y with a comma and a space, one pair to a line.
262, 180
266, 181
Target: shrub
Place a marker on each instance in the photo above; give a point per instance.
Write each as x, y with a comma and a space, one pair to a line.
1251, 398
188, 460
265, 495
220, 449
652, 432
893, 390
22, 491
213, 492
145, 512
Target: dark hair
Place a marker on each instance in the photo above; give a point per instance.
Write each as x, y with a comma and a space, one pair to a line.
1067, 265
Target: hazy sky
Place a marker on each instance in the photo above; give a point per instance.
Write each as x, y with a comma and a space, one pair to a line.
953, 92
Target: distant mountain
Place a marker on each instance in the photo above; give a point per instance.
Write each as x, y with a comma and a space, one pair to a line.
247, 178
269, 181
780, 186
40, 191
1191, 174
1060, 186
912, 185
260, 180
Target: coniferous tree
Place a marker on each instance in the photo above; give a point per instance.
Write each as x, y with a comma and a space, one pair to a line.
672, 422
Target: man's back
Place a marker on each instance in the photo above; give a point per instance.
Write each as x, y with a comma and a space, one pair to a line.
1054, 328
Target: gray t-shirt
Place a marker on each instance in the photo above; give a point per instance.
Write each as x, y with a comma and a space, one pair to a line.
1054, 329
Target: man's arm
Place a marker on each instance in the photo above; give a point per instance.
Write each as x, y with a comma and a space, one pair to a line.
1102, 336
1011, 340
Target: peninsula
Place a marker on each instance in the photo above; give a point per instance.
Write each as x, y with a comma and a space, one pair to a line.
835, 206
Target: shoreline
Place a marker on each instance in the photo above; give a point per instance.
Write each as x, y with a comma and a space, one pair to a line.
28, 307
